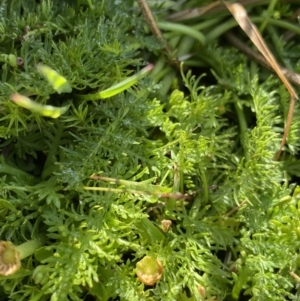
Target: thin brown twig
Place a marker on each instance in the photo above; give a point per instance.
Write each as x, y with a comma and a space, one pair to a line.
236, 208
241, 16
296, 277
146, 11
212, 8
236, 42
287, 127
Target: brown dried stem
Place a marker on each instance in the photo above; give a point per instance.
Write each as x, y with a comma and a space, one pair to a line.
147, 13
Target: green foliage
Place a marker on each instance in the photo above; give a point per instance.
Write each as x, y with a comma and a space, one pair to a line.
202, 158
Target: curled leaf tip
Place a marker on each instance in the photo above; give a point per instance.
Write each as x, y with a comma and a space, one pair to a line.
9, 258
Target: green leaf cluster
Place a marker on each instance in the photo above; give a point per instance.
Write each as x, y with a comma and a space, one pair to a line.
200, 157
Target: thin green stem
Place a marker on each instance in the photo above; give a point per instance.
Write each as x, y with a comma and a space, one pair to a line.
207, 24
28, 248
119, 87
160, 76
90, 4
218, 31
6, 169
205, 186
270, 10
48, 166
183, 29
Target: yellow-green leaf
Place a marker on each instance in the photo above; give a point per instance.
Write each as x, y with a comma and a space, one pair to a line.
119, 87
57, 81
44, 110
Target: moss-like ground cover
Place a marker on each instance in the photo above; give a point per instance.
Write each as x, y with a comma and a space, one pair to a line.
166, 191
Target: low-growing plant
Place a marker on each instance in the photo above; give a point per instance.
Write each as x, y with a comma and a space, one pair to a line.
123, 184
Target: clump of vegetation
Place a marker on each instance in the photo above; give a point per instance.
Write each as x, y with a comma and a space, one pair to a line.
166, 191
